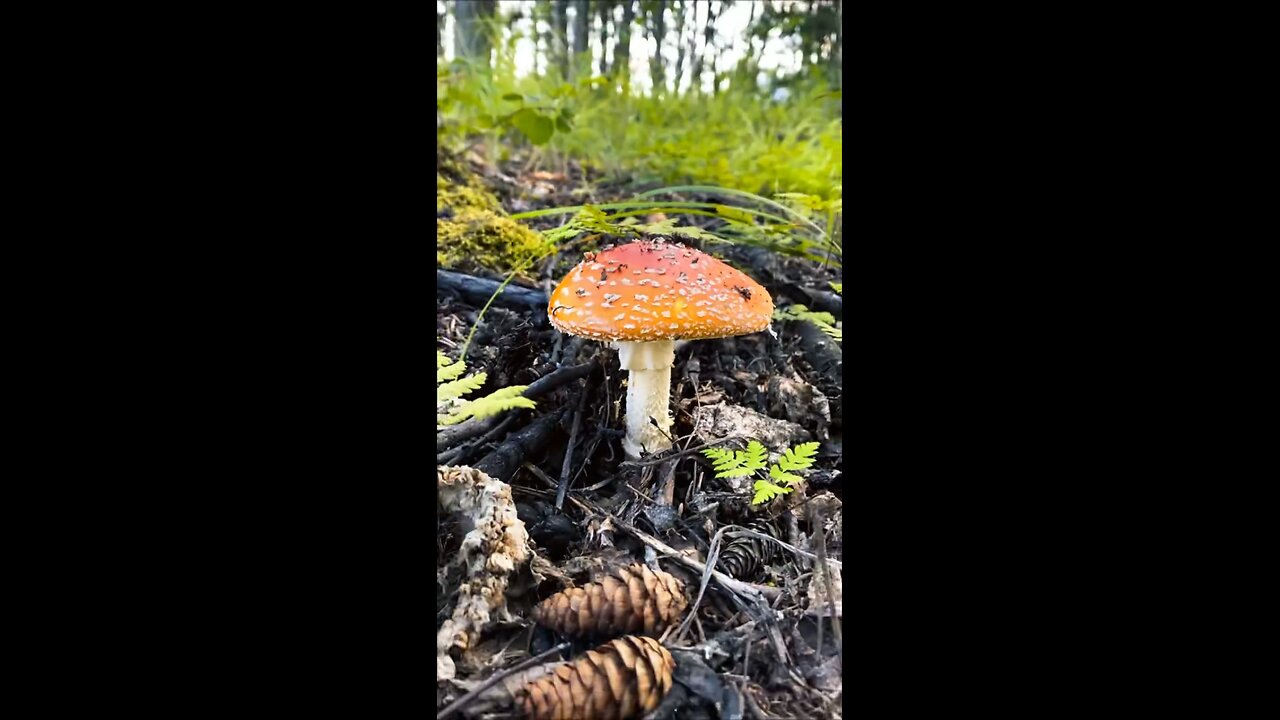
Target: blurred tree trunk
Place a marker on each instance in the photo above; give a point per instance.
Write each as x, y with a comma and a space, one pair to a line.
580, 29
541, 14
708, 52
837, 52
682, 19
656, 21
440, 33
560, 35
606, 10
471, 31
716, 76
622, 53
691, 51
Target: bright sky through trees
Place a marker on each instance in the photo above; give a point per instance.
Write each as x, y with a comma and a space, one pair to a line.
780, 54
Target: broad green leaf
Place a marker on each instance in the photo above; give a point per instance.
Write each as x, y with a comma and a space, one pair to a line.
537, 127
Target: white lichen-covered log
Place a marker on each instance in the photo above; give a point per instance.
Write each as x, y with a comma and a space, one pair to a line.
494, 547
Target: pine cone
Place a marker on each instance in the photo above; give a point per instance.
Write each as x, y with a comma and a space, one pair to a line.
745, 555
624, 678
633, 599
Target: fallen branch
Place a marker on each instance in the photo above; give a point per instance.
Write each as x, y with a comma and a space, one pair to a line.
824, 301
822, 352
477, 291
503, 461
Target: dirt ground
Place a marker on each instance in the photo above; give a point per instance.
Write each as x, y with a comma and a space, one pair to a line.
767, 648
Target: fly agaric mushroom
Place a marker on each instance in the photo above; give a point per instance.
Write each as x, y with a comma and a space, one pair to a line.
644, 296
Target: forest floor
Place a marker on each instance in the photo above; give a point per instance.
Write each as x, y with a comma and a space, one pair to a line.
766, 646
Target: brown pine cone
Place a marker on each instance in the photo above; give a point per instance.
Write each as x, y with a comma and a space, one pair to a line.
633, 599
744, 556
624, 678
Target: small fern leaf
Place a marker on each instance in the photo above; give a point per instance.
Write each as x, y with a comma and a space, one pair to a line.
726, 464
736, 472
442, 359
755, 457
799, 457
781, 476
506, 392
458, 388
834, 332
718, 455
449, 371
766, 491
487, 406
838, 287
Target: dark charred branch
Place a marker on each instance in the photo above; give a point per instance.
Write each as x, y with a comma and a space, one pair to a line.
503, 461
477, 291
823, 353
824, 301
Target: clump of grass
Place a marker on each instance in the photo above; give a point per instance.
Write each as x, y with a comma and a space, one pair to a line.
736, 138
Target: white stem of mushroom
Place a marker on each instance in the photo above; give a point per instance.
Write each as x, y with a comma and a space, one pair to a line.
648, 392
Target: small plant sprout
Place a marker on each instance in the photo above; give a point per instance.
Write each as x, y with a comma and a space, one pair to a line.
743, 463
644, 296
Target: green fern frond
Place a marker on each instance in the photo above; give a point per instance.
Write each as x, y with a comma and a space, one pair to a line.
766, 491
781, 476
824, 321
458, 388
838, 287
740, 463
451, 409
507, 398
448, 370
756, 455
718, 455
799, 457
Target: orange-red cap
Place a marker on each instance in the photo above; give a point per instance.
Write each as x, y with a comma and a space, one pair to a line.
653, 290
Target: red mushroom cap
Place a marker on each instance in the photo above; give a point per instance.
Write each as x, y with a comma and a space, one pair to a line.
652, 290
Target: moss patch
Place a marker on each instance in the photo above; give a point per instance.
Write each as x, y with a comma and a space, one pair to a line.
454, 196
473, 239
473, 232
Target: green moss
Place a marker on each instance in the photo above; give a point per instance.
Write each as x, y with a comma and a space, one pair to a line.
457, 196
476, 238
472, 231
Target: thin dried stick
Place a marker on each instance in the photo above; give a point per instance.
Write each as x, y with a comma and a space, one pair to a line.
744, 589
466, 699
